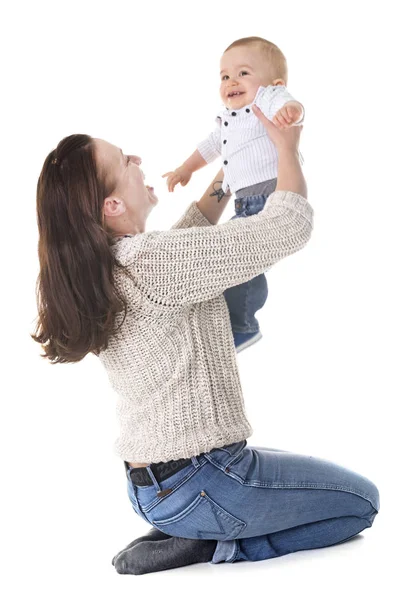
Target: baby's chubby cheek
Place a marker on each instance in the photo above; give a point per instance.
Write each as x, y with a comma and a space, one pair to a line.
250, 95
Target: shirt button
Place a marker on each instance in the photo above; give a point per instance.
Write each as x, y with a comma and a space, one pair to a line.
247, 110
225, 141
234, 114
225, 123
225, 162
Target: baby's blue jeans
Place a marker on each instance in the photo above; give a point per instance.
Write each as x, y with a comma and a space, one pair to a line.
258, 503
245, 299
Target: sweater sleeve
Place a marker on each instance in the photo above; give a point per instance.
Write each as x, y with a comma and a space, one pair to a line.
193, 217
273, 98
195, 264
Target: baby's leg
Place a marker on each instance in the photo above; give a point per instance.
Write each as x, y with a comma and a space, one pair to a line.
245, 299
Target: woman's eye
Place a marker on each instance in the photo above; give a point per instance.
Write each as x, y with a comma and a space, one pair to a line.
244, 73
225, 78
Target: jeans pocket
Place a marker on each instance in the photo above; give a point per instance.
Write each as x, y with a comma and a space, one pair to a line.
134, 501
202, 519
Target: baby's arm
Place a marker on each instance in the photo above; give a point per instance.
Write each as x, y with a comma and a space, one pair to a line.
280, 107
183, 173
207, 151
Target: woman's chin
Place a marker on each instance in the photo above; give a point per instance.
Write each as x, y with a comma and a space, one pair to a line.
153, 198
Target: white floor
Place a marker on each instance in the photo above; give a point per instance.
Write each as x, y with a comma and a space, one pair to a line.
359, 568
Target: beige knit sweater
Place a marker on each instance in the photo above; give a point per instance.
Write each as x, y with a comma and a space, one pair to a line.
173, 361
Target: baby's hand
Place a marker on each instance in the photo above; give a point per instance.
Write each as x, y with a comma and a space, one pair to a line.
288, 115
180, 175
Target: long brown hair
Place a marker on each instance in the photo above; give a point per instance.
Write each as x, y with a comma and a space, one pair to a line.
76, 298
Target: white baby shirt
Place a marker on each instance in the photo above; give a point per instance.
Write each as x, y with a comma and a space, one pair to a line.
248, 155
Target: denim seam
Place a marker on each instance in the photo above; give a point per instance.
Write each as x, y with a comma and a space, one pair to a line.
236, 524
235, 457
368, 520
217, 464
236, 553
298, 485
225, 448
245, 330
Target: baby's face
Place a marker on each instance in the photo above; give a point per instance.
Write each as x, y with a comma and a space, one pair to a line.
243, 70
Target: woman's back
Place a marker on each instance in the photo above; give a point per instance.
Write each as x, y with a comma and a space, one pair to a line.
173, 361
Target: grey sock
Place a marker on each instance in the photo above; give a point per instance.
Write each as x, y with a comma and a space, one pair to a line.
153, 535
149, 557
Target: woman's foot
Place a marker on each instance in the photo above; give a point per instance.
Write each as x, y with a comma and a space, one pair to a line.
244, 340
152, 556
153, 535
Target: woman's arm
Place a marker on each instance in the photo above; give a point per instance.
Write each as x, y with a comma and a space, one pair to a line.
186, 266
213, 202
207, 211
290, 175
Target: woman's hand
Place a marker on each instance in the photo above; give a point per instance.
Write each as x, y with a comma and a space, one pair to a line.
284, 139
180, 175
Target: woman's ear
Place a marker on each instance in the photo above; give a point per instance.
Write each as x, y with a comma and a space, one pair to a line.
278, 82
113, 206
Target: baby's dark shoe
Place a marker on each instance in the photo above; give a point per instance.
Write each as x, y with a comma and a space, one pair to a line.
244, 340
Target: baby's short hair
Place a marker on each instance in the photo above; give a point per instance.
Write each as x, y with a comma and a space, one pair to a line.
272, 53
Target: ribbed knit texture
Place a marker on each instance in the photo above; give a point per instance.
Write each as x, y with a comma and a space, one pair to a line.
248, 155
173, 361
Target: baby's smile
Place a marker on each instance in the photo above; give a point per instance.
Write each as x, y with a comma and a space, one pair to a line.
235, 99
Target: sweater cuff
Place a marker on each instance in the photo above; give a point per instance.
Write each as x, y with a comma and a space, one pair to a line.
294, 201
197, 217
193, 217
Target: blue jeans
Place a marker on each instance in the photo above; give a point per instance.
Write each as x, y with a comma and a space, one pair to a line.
245, 299
258, 503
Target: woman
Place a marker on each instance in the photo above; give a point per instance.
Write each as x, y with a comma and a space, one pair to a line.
151, 306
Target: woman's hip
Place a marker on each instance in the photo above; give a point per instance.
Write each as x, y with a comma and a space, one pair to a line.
242, 491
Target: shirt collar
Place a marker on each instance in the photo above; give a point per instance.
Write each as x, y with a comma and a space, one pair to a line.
226, 111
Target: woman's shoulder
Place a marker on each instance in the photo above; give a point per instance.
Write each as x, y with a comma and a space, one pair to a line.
126, 248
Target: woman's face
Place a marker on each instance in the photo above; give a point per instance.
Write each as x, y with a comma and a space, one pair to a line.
130, 202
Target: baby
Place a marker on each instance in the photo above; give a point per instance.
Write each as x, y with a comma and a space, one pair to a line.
253, 71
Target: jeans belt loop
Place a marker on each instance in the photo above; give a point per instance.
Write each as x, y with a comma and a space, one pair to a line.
156, 484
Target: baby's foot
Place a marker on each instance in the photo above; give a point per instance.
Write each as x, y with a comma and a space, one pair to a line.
244, 340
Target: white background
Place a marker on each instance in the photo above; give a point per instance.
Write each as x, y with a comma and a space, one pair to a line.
329, 376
